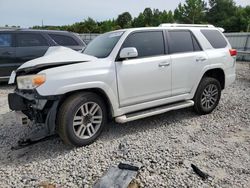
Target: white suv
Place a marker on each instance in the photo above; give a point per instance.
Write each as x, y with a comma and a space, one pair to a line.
124, 75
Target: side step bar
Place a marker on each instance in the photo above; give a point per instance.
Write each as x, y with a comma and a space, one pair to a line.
153, 111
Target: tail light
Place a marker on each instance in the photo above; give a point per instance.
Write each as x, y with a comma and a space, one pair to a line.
233, 52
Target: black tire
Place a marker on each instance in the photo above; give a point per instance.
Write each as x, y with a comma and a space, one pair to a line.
200, 97
68, 112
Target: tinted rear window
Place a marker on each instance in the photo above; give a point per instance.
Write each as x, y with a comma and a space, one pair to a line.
5, 40
215, 38
30, 39
180, 41
148, 43
63, 40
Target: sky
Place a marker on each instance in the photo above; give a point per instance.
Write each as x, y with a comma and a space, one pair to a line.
27, 13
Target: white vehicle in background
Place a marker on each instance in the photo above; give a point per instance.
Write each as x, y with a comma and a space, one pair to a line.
124, 75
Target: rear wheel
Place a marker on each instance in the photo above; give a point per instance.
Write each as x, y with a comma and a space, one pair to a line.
207, 95
81, 119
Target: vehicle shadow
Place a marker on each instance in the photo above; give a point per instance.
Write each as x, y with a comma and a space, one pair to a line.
114, 130
54, 147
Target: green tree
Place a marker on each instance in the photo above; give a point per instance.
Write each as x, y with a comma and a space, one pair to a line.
246, 19
192, 11
148, 17
139, 21
167, 17
124, 20
223, 13
106, 26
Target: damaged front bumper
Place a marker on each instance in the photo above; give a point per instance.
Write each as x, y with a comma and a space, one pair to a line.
40, 110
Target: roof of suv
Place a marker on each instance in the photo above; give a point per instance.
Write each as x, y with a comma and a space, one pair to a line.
175, 26
33, 30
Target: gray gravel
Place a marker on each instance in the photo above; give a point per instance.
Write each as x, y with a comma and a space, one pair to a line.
166, 145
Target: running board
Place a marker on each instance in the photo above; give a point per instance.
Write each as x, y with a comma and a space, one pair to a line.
153, 111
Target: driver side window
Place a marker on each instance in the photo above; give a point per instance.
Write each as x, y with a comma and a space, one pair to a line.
149, 43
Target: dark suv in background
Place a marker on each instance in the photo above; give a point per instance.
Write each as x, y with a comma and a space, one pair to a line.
20, 45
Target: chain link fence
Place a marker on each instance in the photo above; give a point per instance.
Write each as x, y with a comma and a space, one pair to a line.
241, 42
87, 37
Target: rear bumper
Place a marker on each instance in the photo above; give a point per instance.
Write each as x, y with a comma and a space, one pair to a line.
230, 79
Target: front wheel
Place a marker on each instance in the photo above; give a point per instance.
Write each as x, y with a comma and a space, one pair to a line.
81, 119
207, 96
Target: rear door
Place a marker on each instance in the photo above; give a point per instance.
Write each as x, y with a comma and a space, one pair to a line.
30, 46
188, 60
7, 54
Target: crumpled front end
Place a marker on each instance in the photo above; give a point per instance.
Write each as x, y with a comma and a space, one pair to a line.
34, 106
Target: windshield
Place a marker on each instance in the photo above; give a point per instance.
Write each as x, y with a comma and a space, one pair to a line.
102, 45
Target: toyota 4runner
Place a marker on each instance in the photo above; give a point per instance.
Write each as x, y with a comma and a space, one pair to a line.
124, 75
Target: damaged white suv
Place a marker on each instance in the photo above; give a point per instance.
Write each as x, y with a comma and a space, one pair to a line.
124, 75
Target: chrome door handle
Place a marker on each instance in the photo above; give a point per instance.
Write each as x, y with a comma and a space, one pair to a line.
200, 59
164, 64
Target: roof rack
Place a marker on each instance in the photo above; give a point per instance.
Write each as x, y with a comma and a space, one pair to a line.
185, 25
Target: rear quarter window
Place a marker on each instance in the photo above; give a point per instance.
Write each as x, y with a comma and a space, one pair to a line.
63, 40
215, 38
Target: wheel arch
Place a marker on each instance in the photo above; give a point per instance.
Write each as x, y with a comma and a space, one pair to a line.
97, 91
218, 74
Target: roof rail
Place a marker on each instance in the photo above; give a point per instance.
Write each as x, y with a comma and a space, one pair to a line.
185, 25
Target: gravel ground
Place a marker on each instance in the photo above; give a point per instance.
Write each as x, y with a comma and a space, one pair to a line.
166, 145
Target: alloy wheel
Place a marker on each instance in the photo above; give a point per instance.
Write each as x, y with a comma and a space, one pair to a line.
87, 120
209, 96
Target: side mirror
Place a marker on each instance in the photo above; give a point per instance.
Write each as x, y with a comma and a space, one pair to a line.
128, 53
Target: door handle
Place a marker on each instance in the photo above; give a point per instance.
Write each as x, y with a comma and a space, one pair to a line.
201, 59
8, 53
164, 64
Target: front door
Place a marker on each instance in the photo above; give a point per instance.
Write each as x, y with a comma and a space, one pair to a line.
147, 77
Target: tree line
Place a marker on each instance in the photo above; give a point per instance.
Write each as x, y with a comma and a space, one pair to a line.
221, 13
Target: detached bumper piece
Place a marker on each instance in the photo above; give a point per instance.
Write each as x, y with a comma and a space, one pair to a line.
41, 112
120, 176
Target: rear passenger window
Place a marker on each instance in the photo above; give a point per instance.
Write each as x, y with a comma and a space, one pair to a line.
30, 39
148, 43
182, 41
215, 38
5, 40
63, 40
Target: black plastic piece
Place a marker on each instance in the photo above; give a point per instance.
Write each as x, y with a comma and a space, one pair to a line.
25, 143
16, 102
203, 175
126, 166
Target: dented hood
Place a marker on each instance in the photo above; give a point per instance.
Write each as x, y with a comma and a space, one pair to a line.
56, 56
